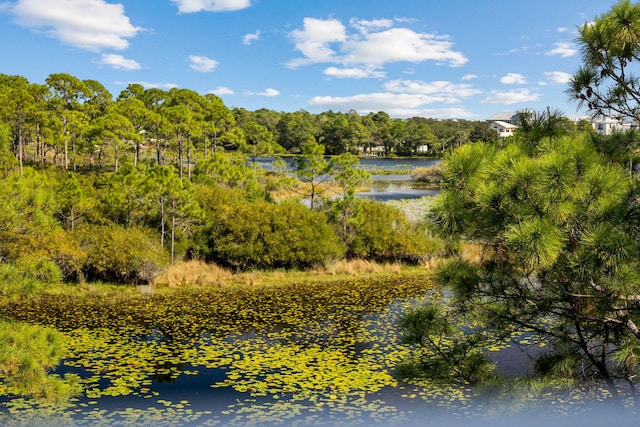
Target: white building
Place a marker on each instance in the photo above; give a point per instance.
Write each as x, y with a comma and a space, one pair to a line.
505, 123
504, 129
608, 125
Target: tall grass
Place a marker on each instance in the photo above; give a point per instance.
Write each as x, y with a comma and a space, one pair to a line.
199, 273
193, 273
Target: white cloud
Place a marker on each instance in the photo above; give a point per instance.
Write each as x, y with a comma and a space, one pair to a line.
558, 77
365, 26
564, 50
562, 29
193, 6
401, 44
395, 104
468, 77
315, 39
148, 85
376, 101
440, 88
222, 90
250, 38
513, 79
372, 44
202, 63
119, 62
353, 73
269, 92
512, 97
87, 24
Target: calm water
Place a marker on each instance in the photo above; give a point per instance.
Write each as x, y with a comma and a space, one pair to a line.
367, 163
387, 190
384, 187
190, 400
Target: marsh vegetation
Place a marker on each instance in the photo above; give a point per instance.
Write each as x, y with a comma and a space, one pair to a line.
182, 283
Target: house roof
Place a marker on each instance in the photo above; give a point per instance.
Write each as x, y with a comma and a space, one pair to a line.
505, 124
503, 116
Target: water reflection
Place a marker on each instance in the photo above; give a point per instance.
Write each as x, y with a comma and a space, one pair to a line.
372, 164
385, 191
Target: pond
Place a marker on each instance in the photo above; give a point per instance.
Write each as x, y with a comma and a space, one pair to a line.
372, 164
387, 190
306, 354
385, 186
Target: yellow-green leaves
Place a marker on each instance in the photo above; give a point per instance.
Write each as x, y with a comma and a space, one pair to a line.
536, 242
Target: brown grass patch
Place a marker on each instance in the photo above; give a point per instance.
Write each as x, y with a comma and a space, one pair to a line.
471, 252
358, 267
199, 273
193, 273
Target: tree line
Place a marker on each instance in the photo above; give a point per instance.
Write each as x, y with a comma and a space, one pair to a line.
77, 123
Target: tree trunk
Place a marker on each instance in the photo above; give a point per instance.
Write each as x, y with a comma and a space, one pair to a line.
189, 159
162, 221
173, 232
115, 154
181, 166
73, 150
20, 148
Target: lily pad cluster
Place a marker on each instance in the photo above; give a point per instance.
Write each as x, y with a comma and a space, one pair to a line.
316, 353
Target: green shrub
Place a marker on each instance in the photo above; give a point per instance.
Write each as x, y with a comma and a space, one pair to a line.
381, 232
27, 276
27, 352
265, 235
432, 175
119, 254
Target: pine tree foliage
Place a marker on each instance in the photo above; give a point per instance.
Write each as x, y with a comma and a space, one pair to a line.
558, 226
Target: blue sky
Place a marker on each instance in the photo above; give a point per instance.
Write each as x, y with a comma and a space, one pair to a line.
443, 59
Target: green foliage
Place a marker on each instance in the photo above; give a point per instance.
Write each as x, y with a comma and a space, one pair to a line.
462, 277
7, 159
27, 352
445, 351
124, 198
557, 225
71, 201
26, 215
432, 175
345, 171
622, 146
607, 82
259, 234
25, 277
229, 169
381, 232
118, 254
312, 168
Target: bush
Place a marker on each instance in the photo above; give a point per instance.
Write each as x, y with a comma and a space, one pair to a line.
432, 175
26, 276
381, 232
27, 352
265, 235
119, 254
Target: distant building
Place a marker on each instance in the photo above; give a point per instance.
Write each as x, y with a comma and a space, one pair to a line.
504, 129
608, 125
505, 123
506, 117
